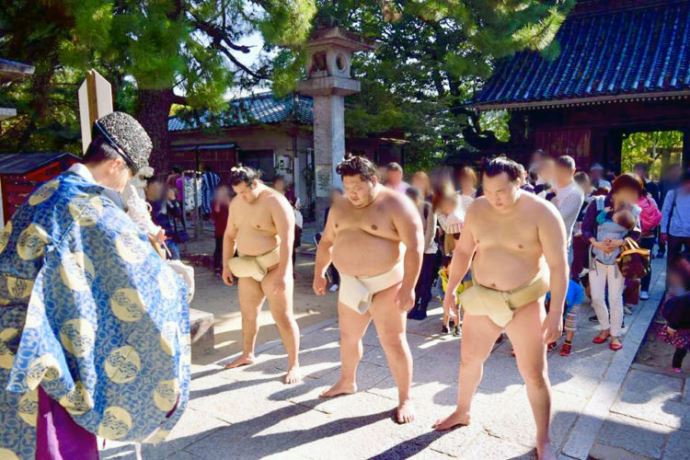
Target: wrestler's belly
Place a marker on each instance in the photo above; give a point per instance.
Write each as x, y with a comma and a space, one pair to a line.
357, 253
254, 243
504, 269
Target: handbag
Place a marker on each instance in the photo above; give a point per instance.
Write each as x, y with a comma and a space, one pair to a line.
634, 262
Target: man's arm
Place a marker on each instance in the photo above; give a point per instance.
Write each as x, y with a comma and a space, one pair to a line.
284, 220
229, 245
408, 223
570, 208
323, 251
666, 210
553, 243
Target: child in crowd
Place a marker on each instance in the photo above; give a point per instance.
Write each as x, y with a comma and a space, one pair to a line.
675, 308
451, 217
574, 297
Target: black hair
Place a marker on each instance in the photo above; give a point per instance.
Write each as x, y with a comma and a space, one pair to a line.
500, 165
581, 177
100, 150
243, 174
629, 181
566, 161
177, 169
357, 166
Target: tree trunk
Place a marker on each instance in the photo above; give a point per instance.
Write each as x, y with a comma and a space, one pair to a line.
153, 108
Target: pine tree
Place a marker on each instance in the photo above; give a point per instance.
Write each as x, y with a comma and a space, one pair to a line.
432, 56
156, 54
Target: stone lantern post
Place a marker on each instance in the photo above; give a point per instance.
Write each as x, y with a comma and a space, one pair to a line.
329, 54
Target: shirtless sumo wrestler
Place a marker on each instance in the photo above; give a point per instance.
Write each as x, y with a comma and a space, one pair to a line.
363, 237
519, 248
261, 226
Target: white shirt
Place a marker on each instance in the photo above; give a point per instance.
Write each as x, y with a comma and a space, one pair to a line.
81, 170
569, 200
401, 187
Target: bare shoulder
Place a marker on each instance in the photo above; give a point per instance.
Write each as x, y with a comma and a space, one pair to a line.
275, 200
477, 208
235, 205
539, 207
395, 201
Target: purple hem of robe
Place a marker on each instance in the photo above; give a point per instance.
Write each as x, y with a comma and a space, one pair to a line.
58, 437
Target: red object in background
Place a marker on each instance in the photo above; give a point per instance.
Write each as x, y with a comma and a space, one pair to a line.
21, 173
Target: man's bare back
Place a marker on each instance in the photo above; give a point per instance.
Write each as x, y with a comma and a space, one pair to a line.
366, 242
508, 250
256, 232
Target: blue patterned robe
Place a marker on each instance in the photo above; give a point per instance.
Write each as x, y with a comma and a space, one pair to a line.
89, 312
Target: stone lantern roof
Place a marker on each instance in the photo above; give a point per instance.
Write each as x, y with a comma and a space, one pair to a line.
329, 54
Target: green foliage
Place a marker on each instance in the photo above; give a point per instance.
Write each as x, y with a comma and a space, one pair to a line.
191, 46
431, 58
656, 149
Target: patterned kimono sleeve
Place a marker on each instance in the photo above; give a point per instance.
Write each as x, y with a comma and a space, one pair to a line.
107, 329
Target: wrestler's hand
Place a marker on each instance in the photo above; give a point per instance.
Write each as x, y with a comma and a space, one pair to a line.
552, 328
319, 285
280, 283
450, 306
405, 299
228, 279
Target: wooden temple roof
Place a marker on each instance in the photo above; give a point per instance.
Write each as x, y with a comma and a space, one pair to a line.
637, 51
253, 110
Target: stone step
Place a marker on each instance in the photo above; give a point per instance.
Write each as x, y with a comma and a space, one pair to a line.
202, 333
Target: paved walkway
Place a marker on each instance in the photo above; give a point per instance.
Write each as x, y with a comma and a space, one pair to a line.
249, 413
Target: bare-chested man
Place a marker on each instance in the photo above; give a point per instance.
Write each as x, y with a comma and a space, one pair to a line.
517, 246
363, 237
261, 226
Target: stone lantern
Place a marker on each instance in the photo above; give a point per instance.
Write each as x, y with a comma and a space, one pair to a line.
329, 57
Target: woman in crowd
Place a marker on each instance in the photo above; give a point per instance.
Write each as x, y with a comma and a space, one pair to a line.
451, 217
650, 218
427, 273
166, 212
675, 309
467, 179
607, 222
280, 185
219, 216
420, 181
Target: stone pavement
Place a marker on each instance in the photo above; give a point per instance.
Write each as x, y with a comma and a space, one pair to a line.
248, 413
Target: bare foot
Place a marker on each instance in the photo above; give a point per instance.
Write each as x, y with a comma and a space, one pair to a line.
244, 360
293, 375
454, 420
404, 413
545, 451
339, 389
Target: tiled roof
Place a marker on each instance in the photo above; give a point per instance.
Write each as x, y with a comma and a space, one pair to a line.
22, 163
629, 54
253, 110
12, 69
